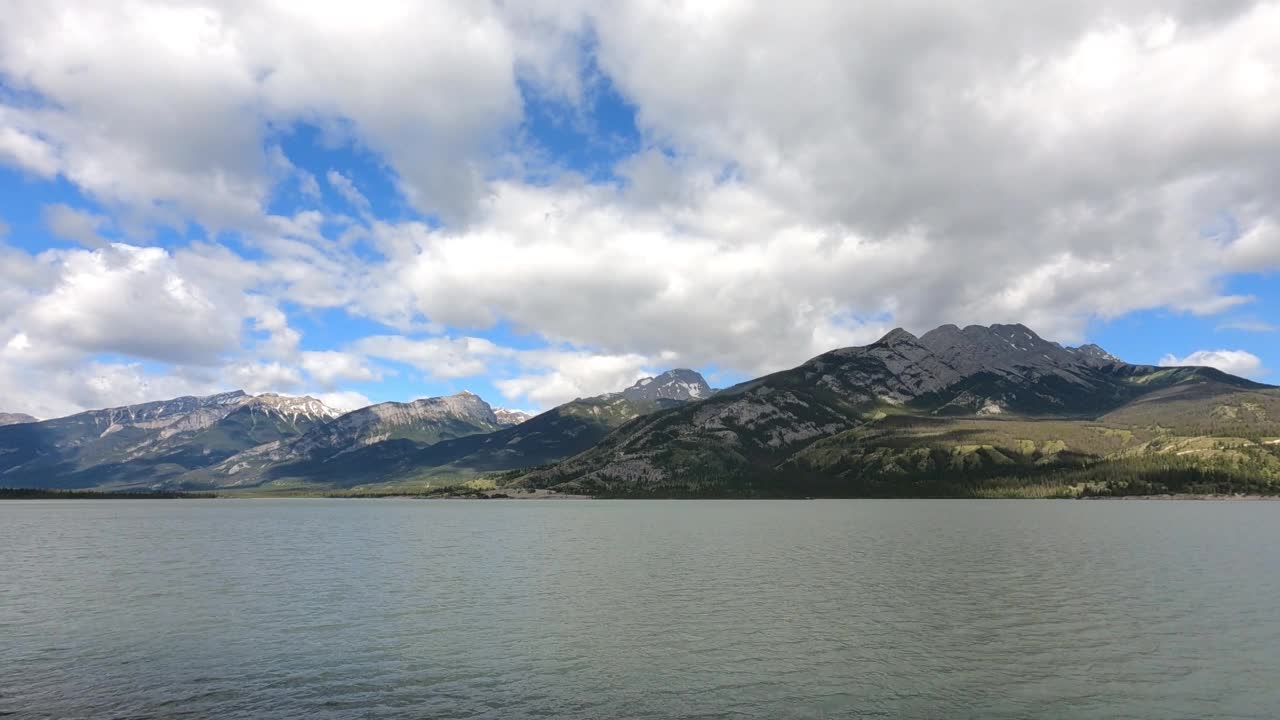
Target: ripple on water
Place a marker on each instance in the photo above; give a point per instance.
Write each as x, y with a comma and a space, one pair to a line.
407, 609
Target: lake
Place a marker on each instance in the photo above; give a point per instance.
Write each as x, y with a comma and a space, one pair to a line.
390, 608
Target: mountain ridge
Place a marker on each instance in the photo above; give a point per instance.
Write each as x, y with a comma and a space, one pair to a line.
154, 440
553, 435
942, 413
748, 433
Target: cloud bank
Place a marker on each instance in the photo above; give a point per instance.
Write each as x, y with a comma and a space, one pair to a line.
801, 178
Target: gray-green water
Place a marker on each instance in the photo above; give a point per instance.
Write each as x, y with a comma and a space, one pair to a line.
595, 609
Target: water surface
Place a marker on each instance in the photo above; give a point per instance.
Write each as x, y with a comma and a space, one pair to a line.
602, 609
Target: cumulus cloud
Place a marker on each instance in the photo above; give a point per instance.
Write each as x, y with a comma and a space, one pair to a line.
330, 367
260, 377
26, 151
437, 357
131, 301
1235, 362
1258, 248
170, 103
1025, 161
74, 224
853, 167
542, 377
49, 390
175, 320
566, 264
560, 376
1026, 187
345, 400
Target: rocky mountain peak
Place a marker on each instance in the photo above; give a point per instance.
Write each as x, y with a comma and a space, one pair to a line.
508, 417
1095, 354
424, 420
185, 413
466, 403
292, 407
463, 405
15, 418
997, 348
678, 384
897, 336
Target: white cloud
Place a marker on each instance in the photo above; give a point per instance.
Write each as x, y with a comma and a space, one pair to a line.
348, 190
1249, 325
169, 104
542, 378
853, 167
345, 401
437, 357
1258, 248
308, 185
330, 367
26, 151
561, 376
260, 377
1029, 183
132, 301
53, 390
1235, 362
65, 311
282, 340
284, 170
74, 224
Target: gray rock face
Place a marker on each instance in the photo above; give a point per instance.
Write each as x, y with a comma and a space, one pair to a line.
187, 414
894, 369
427, 420
15, 418
116, 444
291, 408
678, 384
1094, 356
168, 416
1001, 349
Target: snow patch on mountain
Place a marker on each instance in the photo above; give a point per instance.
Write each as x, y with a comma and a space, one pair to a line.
678, 384
511, 417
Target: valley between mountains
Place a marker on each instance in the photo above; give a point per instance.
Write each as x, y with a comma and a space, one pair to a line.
956, 412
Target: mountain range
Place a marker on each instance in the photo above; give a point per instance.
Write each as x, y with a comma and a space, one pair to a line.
955, 411
974, 411
236, 440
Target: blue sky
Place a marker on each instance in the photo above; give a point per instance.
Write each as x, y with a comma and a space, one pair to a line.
541, 203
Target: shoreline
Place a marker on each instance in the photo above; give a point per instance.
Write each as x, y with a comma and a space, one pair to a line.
1189, 496
542, 494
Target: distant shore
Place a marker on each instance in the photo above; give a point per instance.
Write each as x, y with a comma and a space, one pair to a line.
538, 494
542, 494
1188, 496
34, 494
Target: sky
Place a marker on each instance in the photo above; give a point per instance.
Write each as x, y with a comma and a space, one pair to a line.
537, 201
